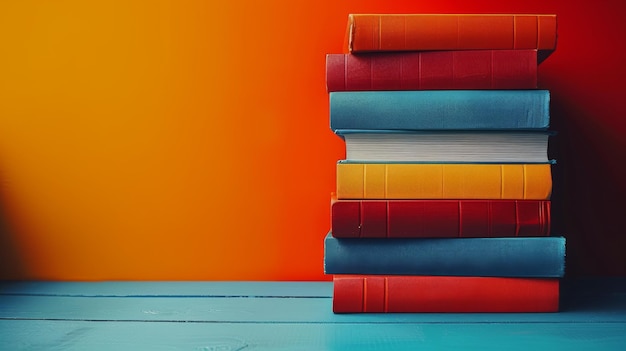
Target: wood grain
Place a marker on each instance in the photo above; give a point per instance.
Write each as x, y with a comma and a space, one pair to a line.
286, 316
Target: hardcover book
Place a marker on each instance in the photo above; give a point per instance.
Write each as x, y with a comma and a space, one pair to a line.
375, 294
439, 218
443, 181
440, 109
485, 257
446, 146
421, 32
434, 70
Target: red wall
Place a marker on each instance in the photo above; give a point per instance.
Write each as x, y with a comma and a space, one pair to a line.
190, 139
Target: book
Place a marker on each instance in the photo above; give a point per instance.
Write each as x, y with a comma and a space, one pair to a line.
439, 218
443, 181
375, 294
422, 32
445, 146
440, 109
434, 70
485, 257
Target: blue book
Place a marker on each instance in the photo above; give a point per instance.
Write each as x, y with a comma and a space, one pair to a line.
440, 110
487, 257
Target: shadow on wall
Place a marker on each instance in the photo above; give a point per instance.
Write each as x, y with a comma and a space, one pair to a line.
588, 190
12, 266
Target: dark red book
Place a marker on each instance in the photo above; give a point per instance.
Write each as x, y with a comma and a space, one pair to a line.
377, 293
439, 218
434, 70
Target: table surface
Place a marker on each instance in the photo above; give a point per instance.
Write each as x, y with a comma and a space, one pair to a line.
214, 316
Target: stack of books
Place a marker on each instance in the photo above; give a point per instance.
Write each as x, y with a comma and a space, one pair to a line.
443, 201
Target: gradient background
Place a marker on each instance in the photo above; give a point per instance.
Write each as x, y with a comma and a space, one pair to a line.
187, 140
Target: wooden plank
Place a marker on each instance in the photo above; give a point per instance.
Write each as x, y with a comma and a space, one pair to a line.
269, 310
187, 289
570, 288
80, 335
275, 316
265, 302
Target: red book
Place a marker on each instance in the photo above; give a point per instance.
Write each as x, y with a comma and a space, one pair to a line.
434, 70
377, 293
439, 218
420, 32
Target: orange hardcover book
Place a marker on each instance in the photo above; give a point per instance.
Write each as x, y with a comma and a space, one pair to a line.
421, 32
379, 293
443, 181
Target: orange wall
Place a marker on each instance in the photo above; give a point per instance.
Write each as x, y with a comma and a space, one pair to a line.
190, 140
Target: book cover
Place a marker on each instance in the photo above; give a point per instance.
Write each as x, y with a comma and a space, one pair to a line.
443, 181
421, 32
439, 218
460, 146
435, 70
486, 257
440, 109
376, 294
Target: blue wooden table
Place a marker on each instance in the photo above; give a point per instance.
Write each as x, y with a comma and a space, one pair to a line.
287, 316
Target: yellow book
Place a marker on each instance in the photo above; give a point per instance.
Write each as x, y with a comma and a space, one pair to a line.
443, 181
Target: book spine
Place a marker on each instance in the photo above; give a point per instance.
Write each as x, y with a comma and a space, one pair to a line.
443, 181
439, 218
487, 257
473, 69
440, 109
415, 32
376, 294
